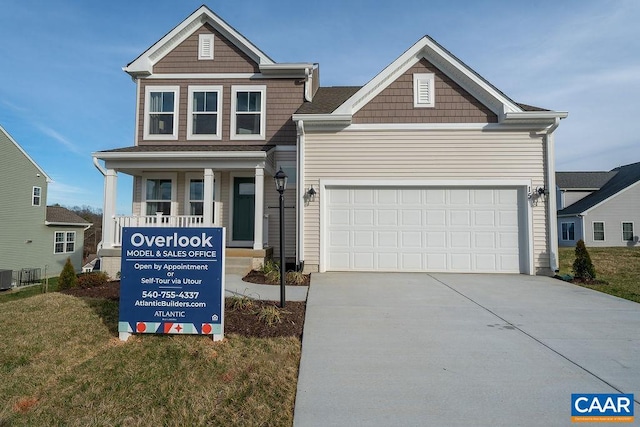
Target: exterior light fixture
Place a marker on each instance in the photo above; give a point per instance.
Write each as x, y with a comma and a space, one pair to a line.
280, 180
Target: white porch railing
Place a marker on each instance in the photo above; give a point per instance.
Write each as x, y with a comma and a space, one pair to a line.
158, 220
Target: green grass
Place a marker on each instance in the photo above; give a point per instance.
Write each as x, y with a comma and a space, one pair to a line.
29, 291
61, 363
619, 267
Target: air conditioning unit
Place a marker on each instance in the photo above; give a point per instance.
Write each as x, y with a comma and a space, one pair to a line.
6, 279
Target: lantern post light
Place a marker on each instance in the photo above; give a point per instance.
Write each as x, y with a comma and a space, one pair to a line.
280, 179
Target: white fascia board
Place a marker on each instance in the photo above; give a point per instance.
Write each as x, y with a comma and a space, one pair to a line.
329, 118
521, 117
68, 224
428, 49
289, 70
144, 63
182, 155
44, 174
610, 197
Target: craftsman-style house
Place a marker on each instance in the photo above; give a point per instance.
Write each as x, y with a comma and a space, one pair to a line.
428, 167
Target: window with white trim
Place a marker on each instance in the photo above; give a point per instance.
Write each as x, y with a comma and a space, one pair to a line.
627, 231
36, 196
205, 46
248, 105
64, 242
424, 95
158, 196
568, 231
205, 112
598, 231
161, 112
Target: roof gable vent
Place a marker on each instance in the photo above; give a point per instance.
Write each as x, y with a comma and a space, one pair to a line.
205, 47
423, 90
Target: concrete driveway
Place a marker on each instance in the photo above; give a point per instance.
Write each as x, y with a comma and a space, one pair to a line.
405, 349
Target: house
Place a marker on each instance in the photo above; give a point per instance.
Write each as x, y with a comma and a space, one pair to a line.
35, 239
601, 208
427, 167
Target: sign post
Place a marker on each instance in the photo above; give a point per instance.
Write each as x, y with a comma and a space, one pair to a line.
172, 281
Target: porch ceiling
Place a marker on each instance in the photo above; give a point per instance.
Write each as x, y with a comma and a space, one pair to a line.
134, 160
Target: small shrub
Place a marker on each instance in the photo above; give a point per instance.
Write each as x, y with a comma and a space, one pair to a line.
68, 278
91, 280
269, 315
273, 276
582, 266
296, 277
270, 266
241, 303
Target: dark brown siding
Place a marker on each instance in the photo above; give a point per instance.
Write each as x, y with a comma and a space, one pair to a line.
284, 97
452, 103
227, 57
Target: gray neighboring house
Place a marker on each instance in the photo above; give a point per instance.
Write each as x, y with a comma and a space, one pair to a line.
34, 237
602, 208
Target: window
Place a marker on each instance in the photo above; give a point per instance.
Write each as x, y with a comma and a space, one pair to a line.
161, 112
627, 231
598, 231
196, 197
36, 196
158, 196
568, 231
424, 90
64, 242
205, 47
205, 104
248, 111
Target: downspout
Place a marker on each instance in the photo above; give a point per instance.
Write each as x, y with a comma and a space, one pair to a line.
301, 196
98, 166
552, 212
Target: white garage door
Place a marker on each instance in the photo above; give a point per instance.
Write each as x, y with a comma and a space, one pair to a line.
422, 229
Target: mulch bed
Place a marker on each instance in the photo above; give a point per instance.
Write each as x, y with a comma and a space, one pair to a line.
255, 276
243, 322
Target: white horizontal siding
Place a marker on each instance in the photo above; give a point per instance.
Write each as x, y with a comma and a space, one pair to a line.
424, 155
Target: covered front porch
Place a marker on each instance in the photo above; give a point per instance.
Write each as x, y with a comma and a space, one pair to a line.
217, 186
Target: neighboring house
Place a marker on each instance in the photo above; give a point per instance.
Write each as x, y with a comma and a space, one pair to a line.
33, 236
601, 208
428, 167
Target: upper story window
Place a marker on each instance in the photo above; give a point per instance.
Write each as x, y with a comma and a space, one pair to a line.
205, 112
205, 47
36, 196
424, 94
248, 105
161, 112
64, 242
627, 231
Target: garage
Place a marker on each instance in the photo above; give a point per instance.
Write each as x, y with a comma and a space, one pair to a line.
436, 229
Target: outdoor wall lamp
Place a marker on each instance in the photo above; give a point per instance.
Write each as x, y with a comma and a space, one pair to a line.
280, 179
310, 195
536, 194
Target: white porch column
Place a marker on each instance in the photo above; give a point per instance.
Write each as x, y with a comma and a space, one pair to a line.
259, 209
109, 212
207, 208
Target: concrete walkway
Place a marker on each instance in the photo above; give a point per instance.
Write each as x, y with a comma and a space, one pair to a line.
235, 286
446, 349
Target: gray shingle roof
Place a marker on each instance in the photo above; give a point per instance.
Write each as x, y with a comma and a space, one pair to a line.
624, 177
186, 148
58, 214
327, 99
583, 180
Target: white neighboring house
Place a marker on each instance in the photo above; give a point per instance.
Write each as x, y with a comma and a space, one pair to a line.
601, 208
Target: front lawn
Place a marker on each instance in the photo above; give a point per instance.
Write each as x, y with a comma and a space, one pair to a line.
61, 363
619, 267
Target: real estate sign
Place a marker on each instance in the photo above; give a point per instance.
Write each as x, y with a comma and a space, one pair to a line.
172, 281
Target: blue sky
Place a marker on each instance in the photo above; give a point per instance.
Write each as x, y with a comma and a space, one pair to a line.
63, 94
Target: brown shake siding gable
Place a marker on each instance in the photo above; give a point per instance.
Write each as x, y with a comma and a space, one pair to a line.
227, 57
452, 103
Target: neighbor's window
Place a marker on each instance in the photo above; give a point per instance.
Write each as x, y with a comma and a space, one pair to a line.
36, 196
158, 196
248, 105
205, 103
161, 112
598, 231
64, 242
627, 231
568, 231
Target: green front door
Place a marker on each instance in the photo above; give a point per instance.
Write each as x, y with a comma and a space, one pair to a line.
243, 209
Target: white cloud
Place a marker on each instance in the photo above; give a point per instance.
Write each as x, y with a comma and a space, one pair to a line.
60, 138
